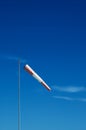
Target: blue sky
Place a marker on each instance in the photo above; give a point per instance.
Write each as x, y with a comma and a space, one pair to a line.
51, 37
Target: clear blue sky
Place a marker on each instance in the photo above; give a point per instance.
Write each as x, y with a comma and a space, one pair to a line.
51, 36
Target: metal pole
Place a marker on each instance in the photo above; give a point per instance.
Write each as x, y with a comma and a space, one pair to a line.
18, 94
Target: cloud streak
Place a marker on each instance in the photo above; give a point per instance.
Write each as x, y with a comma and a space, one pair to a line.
70, 98
16, 59
63, 97
13, 58
70, 89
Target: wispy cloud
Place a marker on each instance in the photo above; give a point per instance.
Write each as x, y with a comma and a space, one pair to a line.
81, 99
13, 58
16, 59
70, 99
70, 89
63, 97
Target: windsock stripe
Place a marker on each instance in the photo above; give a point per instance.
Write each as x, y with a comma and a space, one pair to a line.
28, 70
45, 86
33, 73
37, 77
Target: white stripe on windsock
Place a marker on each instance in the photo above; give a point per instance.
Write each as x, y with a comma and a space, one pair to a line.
36, 76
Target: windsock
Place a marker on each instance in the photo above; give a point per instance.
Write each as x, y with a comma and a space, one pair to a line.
36, 76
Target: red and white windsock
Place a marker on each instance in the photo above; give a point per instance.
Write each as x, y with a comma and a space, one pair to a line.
36, 76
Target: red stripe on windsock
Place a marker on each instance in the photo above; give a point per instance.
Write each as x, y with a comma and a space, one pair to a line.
28, 70
45, 86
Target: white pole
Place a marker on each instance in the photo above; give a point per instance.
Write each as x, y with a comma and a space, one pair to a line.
18, 94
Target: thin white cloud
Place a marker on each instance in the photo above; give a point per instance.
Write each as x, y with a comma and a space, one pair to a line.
70, 89
70, 99
82, 99
16, 59
13, 58
63, 97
